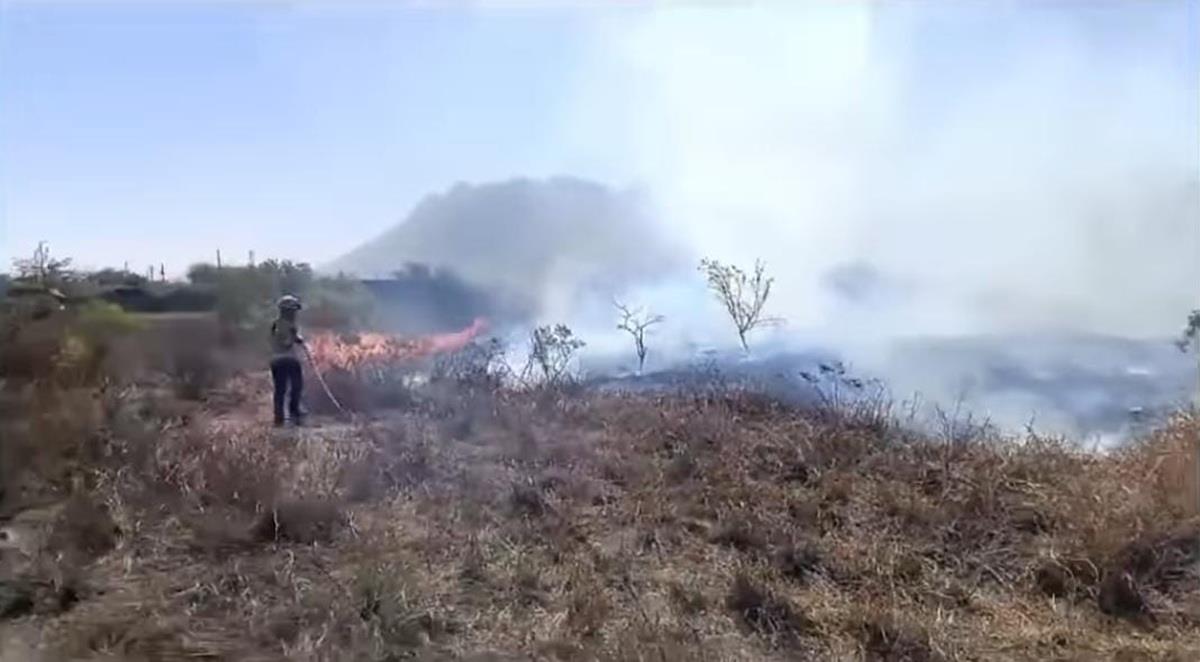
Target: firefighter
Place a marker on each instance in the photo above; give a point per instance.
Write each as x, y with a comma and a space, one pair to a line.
286, 370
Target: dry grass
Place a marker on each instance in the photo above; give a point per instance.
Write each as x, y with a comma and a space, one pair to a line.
483, 524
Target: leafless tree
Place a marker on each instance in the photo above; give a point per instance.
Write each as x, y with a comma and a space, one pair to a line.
636, 322
42, 268
743, 295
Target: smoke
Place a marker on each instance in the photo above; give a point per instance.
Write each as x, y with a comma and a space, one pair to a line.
919, 173
914, 174
513, 251
994, 168
420, 300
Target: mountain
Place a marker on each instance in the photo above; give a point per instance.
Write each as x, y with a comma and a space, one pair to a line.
529, 243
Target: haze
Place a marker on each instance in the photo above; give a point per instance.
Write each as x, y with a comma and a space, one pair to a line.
906, 169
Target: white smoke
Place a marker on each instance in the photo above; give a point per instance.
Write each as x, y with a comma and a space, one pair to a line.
933, 185
1045, 182
1017, 173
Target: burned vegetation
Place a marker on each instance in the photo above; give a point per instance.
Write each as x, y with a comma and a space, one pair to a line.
477, 519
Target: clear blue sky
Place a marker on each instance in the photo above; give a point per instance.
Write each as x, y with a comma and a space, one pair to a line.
162, 133
150, 133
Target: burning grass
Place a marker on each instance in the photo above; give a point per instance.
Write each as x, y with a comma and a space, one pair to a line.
480, 523
355, 352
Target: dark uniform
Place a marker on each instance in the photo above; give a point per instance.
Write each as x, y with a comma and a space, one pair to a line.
286, 371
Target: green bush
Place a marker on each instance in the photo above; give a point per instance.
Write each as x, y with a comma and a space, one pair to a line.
244, 299
89, 341
71, 348
98, 321
246, 296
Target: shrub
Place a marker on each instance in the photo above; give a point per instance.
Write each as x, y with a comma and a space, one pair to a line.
552, 351
765, 613
98, 321
244, 302
71, 349
194, 369
29, 348
302, 521
476, 365
742, 295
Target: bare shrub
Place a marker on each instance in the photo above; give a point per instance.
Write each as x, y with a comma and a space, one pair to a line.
478, 365
739, 535
350, 389
54, 442
241, 474
588, 611
552, 351
687, 598
364, 390
30, 348
744, 296
83, 528
886, 639
194, 371
43, 268
399, 617
1053, 579
957, 428
800, 561
302, 521
848, 400
528, 500
385, 603
392, 387
1120, 595
636, 322
765, 613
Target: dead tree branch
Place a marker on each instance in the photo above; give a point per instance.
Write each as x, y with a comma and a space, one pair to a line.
636, 322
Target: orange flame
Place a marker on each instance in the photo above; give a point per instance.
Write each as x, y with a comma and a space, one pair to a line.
374, 350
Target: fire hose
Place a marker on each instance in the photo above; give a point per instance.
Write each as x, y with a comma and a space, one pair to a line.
321, 380
383, 347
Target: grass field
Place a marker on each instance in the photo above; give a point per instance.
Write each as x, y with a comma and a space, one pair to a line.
484, 523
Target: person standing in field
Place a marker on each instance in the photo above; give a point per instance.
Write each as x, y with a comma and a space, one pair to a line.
286, 371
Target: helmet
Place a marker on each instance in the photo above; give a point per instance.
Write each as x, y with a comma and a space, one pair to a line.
289, 302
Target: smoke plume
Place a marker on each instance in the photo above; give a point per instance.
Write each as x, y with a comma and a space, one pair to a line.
993, 168
928, 182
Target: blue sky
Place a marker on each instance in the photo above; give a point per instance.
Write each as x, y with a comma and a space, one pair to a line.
812, 135
162, 133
